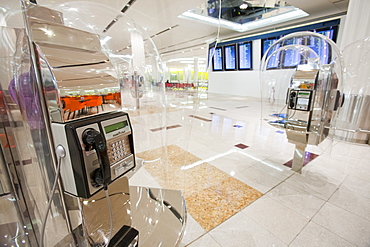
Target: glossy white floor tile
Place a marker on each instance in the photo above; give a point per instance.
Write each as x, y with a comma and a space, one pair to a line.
353, 150
352, 202
315, 183
278, 219
240, 230
274, 168
356, 185
296, 199
205, 240
335, 162
327, 205
257, 179
349, 226
314, 235
361, 170
233, 162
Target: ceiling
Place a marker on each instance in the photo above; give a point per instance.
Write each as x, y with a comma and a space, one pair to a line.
176, 37
189, 36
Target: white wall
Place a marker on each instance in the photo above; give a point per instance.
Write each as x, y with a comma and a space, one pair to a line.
241, 83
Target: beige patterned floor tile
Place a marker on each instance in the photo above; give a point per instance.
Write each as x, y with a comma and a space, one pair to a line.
216, 204
212, 196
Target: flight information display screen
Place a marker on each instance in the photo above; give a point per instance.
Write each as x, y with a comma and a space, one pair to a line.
230, 57
217, 59
245, 56
322, 48
266, 43
292, 57
274, 60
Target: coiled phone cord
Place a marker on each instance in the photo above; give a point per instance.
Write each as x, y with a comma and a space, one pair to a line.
60, 153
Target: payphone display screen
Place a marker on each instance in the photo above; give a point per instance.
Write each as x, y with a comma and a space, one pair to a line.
116, 126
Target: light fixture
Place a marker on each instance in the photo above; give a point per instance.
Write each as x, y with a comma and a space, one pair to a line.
243, 6
291, 13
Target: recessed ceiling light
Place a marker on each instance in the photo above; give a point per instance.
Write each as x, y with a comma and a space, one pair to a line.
290, 14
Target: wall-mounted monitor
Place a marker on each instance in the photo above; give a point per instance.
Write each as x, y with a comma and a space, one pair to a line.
292, 57
210, 55
217, 61
323, 50
230, 57
245, 56
273, 62
328, 33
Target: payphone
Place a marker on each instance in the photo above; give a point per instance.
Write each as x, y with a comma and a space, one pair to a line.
308, 94
311, 99
300, 99
99, 149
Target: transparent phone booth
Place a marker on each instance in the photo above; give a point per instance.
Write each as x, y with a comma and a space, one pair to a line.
353, 123
303, 71
90, 70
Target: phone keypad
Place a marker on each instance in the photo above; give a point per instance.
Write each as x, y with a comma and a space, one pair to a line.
118, 149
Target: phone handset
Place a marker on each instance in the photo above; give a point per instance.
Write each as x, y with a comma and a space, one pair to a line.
292, 96
93, 139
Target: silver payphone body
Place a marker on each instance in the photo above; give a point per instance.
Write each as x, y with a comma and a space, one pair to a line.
311, 100
308, 94
89, 166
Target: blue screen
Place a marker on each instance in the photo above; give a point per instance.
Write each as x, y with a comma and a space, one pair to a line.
230, 57
328, 33
245, 55
292, 57
274, 60
266, 44
217, 59
321, 47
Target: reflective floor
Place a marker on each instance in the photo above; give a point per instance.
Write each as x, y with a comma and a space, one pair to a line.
230, 166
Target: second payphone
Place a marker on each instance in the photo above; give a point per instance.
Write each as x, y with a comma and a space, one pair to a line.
307, 94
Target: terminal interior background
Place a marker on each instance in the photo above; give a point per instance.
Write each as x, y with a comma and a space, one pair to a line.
209, 168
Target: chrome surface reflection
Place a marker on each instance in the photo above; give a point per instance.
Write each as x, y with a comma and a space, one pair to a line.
71, 62
159, 215
96, 212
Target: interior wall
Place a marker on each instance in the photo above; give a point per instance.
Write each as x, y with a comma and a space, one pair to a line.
240, 83
245, 83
